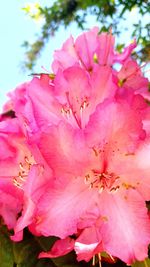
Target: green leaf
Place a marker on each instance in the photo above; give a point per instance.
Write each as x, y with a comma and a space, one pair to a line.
119, 47
72, 265
68, 260
26, 253
46, 242
145, 263
45, 263
6, 252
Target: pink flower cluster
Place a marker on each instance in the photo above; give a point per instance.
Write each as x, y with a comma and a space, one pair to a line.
75, 153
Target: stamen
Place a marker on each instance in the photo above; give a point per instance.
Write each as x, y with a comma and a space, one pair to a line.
99, 260
101, 189
114, 189
87, 178
22, 178
72, 111
111, 257
16, 183
95, 58
42, 67
27, 160
21, 166
24, 168
95, 151
121, 82
102, 180
93, 261
128, 186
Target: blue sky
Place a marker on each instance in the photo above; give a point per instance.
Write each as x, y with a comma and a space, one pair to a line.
15, 28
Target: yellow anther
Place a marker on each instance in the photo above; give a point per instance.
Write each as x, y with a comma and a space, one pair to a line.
95, 58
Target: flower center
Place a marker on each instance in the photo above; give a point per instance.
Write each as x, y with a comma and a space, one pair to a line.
74, 109
102, 180
24, 168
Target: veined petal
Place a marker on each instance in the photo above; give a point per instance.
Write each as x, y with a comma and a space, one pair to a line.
126, 230
66, 144
10, 206
73, 90
34, 187
69, 203
131, 77
85, 46
65, 57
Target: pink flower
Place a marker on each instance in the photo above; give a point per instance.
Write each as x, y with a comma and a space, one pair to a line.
87, 129
71, 97
131, 77
84, 77
10, 157
21, 104
21, 177
90, 49
100, 181
34, 187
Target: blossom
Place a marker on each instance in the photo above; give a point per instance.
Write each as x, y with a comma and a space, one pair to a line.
72, 96
74, 91
100, 180
10, 157
89, 49
87, 128
131, 77
19, 177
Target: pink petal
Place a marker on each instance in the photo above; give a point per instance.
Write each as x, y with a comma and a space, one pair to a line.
133, 78
102, 85
126, 228
60, 248
34, 187
65, 57
88, 244
105, 50
125, 55
112, 126
85, 47
67, 144
45, 109
10, 206
67, 202
73, 90
91, 44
